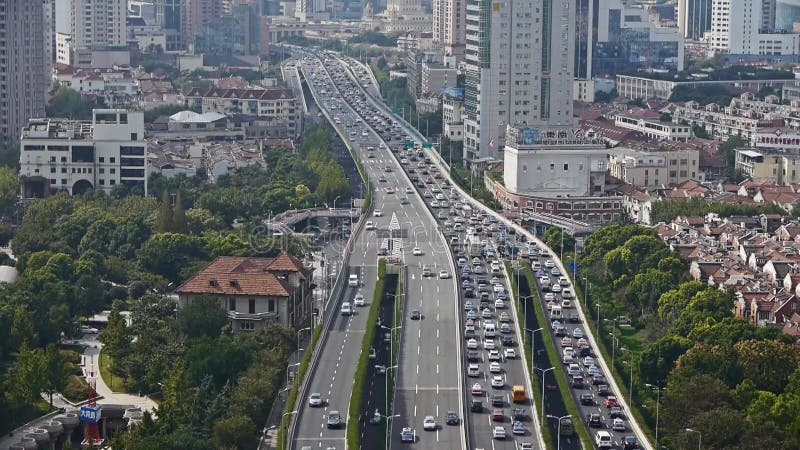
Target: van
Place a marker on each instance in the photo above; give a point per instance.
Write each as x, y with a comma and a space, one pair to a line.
489, 330
519, 394
352, 280
602, 439
346, 310
556, 313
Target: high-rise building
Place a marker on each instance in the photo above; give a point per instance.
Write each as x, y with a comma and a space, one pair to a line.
694, 18
787, 15
195, 14
748, 27
449, 28
519, 70
98, 24
24, 64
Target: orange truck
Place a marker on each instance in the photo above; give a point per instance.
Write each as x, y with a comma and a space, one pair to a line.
519, 394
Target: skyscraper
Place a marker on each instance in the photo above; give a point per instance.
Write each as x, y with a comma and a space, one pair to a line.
24, 77
694, 18
449, 32
98, 24
519, 57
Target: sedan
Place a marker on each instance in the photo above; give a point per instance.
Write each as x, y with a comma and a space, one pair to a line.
518, 428
587, 400
334, 419
494, 367
407, 435
488, 344
443, 275
588, 361
417, 251
472, 344
473, 356
429, 424
499, 433
377, 213
315, 400
359, 299
510, 353
477, 389
497, 382
499, 304
577, 333
494, 355
415, 314
451, 418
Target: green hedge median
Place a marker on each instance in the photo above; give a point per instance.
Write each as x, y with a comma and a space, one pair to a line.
359, 385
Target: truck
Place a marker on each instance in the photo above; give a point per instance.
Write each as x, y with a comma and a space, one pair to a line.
474, 246
519, 395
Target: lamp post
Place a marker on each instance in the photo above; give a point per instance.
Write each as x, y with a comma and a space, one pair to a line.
658, 390
386, 402
543, 371
524, 299
614, 343
334, 201
298, 337
558, 444
533, 349
287, 371
699, 435
630, 396
598, 316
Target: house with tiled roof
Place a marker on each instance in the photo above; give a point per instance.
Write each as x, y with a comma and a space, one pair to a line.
255, 292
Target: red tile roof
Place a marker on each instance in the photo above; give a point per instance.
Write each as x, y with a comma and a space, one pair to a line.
229, 275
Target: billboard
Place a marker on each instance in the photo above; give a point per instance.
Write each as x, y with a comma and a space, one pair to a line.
530, 135
90, 414
453, 92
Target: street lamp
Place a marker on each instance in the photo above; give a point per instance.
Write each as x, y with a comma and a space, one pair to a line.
532, 343
543, 371
700, 437
287, 370
524, 299
623, 349
598, 316
298, 337
658, 390
558, 444
288, 414
614, 342
334, 201
586, 285
386, 402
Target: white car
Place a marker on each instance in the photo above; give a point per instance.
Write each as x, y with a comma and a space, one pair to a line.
497, 382
472, 344
85, 329
510, 353
370, 225
499, 433
346, 310
494, 355
488, 344
473, 370
315, 400
352, 280
417, 251
499, 304
377, 213
359, 299
618, 424
443, 275
494, 367
429, 424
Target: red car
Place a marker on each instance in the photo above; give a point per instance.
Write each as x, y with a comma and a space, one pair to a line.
611, 401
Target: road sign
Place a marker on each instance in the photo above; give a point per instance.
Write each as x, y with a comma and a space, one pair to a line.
90, 414
427, 145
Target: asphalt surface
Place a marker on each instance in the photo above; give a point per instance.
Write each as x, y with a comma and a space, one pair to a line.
511, 370
421, 372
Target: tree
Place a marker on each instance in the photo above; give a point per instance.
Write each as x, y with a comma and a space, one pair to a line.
166, 253
673, 302
29, 374
164, 219
117, 339
54, 365
658, 359
179, 223
9, 186
768, 363
199, 220
202, 317
554, 238
237, 432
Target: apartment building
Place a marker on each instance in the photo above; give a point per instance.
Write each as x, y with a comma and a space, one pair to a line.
694, 18
452, 118
255, 292
650, 168
782, 169
748, 27
449, 29
277, 105
519, 70
75, 156
648, 122
98, 24
24, 64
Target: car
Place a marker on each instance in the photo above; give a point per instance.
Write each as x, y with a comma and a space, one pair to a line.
443, 275
471, 314
488, 344
504, 317
407, 435
555, 272
494, 355
315, 399
507, 341
473, 370
577, 333
526, 446
346, 310
593, 370
594, 420
358, 300
611, 401
510, 353
352, 280
472, 344
505, 328
499, 433
499, 304
520, 414
370, 225
372, 353
497, 382
429, 424
486, 313
473, 356
598, 379
588, 361
561, 331
469, 306
85, 329
555, 288
574, 369
334, 419
498, 400
477, 389
415, 314
630, 443
518, 428
603, 390
475, 406
618, 424
566, 341
566, 303
451, 418
616, 411
574, 318
409, 190
587, 399
377, 213
498, 415
416, 251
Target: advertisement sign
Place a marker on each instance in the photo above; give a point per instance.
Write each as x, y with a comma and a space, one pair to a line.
90, 414
530, 135
453, 92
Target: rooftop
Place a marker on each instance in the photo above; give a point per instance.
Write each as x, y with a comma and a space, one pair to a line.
229, 275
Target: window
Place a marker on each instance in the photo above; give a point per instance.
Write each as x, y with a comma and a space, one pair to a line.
566, 167
101, 181
231, 304
101, 159
251, 306
52, 181
247, 325
52, 170
112, 160
134, 136
552, 166
272, 306
63, 170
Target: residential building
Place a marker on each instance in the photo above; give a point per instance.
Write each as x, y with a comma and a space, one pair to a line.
98, 24
519, 70
647, 87
452, 118
24, 64
628, 38
255, 292
434, 77
694, 18
416, 41
403, 16
74, 156
648, 122
777, 168
748, 27
275, 105
414, 64
786, 140
791, 91
787, 15
236, 33
449, 29
194, 15
647, 167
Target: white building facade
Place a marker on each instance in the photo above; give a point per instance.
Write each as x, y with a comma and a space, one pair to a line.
747, 27
74, 156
